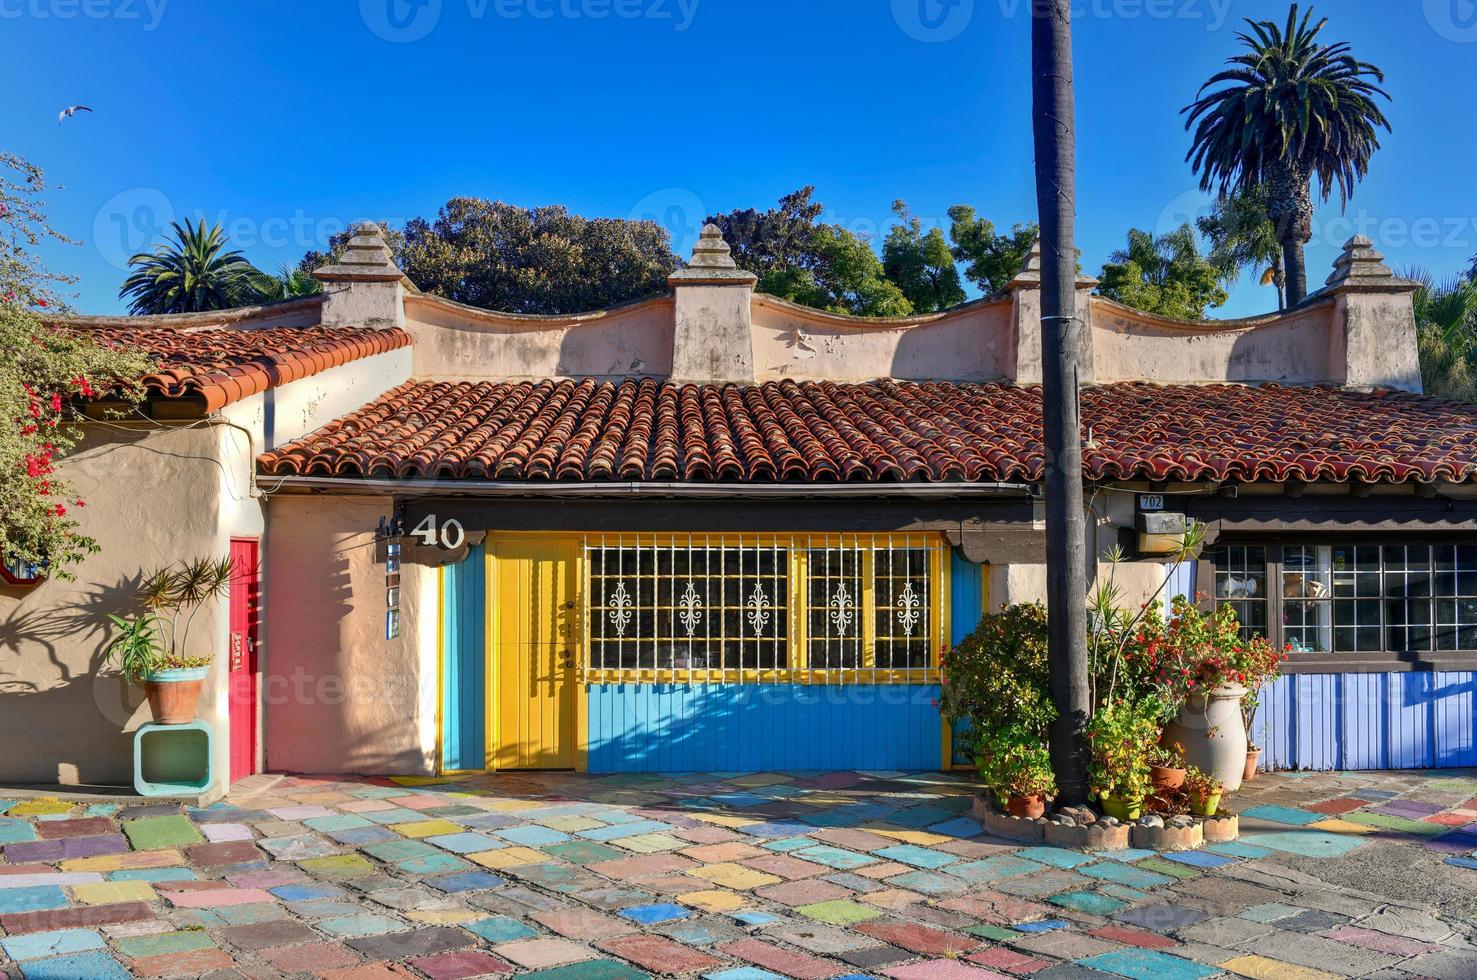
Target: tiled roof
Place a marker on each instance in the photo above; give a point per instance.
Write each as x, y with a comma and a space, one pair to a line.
882, 432
226, 364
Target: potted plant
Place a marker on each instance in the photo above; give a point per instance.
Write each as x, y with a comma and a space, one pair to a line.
1017, 766
1167, 768
151, 647
995, 692
1261, 665
1204, 792
1204, 665
1122, 734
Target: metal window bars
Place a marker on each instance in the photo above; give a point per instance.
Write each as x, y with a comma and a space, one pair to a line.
794, 608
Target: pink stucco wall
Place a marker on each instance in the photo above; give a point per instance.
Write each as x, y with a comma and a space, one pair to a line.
456, 341
337, 696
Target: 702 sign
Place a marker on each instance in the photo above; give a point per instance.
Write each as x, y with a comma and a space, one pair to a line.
450, 535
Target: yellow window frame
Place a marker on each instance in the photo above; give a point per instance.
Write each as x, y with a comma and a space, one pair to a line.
798, 545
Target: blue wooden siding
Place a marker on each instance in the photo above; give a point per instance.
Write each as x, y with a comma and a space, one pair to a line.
1410, 720
966, 609
966, 597
464, 663
751, 727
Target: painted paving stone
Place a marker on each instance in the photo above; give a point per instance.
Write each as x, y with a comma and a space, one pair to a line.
726, 875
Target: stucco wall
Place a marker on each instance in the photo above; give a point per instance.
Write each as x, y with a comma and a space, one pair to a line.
455, 341
337, 695
280, 415
972, 343
154, 495
1129, 345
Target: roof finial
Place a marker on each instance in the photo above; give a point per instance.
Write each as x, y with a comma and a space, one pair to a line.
365, 257
1361, 266
712, 262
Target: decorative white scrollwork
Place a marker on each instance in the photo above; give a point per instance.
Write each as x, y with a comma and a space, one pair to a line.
843, 610
907, 613
620, 609
691, 615
758, 606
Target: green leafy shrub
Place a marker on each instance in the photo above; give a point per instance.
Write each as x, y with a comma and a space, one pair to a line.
1121, 736
1016, 762
997, 678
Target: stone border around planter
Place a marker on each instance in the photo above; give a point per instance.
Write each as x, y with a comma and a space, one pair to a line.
1105, 834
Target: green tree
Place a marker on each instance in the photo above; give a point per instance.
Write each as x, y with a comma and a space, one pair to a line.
1241, 235
1292, 109
994, 259
843, 276
546, 261
1166, 275
190, 273
769, 241
920, 265
799, 259
1446, 334
43, 371
289, 283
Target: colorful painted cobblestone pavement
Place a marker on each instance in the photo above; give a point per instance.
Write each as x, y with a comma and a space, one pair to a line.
735, 877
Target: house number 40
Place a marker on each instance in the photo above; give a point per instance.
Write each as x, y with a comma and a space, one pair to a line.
451, 535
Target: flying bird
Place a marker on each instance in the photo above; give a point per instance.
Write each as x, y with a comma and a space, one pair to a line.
70, 111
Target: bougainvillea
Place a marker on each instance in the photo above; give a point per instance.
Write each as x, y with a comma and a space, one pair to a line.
1175, 655
45, 373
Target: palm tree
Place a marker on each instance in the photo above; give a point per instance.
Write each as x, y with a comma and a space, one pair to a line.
1053, 119
190, 273
1293, 109
290, 282
1241, 234
1446, 334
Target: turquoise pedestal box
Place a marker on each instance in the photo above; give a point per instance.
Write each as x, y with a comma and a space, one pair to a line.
173, 760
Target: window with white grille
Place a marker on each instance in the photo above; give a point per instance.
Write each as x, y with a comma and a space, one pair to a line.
776, 607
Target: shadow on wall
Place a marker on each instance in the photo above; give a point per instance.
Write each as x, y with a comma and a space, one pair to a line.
61, 724
337, 696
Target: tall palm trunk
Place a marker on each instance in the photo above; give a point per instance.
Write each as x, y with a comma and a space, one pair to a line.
1054, 127
1290, 205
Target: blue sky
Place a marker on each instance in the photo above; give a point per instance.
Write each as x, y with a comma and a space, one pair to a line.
288, 120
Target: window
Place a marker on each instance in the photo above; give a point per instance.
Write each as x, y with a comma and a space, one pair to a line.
672, 606
1241, 582
836, 617
903, 602
709, 607
1354, 598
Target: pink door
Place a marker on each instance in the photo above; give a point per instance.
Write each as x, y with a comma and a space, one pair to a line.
245, 622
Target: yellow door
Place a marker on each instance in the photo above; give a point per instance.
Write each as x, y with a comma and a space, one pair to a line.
536, 643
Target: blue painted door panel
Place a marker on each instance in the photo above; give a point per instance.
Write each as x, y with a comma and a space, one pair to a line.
752, 727
464, 663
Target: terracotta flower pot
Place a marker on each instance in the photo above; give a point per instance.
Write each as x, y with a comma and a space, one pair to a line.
1121, 809
174, 694
1029, 807
1166, 779
1213, 734
1253, 759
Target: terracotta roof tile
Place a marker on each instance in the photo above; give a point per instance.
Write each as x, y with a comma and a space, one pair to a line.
882, 432
226, 364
